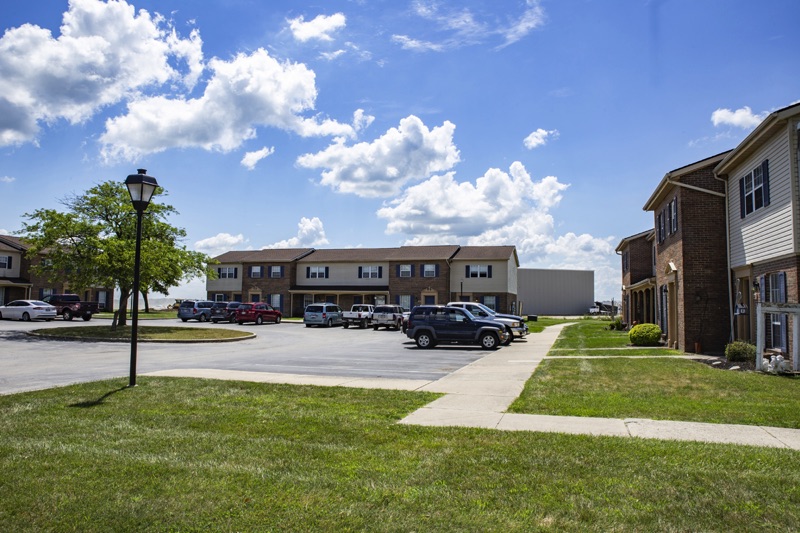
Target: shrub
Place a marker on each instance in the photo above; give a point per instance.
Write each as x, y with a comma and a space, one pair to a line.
645, 335
616, 324
740, 351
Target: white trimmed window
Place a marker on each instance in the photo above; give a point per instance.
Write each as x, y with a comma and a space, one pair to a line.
276, 272
316, 272
369, 272
219, 297
256, 272
227, 272
405, 271
429, 271
5, 261
478, 271
490, 302
404, 301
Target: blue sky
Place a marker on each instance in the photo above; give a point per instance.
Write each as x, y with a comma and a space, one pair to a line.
379, 123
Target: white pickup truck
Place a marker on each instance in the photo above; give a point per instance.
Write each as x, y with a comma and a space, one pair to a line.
359, 315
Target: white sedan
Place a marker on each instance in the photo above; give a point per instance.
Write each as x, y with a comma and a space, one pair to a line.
27, 310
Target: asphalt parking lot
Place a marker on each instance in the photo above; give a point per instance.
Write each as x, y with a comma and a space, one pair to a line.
32, 363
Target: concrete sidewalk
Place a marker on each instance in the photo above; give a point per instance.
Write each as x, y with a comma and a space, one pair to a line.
478, 395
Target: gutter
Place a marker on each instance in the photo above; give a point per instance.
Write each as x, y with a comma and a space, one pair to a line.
728, 255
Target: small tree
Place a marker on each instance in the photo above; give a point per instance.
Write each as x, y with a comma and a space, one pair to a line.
94, 242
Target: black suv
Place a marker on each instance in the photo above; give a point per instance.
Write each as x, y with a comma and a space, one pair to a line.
429, 325
224, 312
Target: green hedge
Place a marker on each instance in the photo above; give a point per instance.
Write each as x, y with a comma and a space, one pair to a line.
740, 351
645, 335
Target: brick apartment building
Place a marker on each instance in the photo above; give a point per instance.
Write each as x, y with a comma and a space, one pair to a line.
637, 254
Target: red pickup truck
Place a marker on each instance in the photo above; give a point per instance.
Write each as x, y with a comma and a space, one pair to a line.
70, 306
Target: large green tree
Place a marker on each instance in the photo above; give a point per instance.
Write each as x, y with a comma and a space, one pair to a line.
93, 243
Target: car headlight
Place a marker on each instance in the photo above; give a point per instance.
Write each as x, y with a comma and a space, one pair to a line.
515, 324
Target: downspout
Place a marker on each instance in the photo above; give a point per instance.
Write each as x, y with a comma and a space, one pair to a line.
728, 257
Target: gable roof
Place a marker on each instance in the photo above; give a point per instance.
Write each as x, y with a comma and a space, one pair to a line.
487, 253
670, 178
774, 123
647, 234
7, 242
274, 255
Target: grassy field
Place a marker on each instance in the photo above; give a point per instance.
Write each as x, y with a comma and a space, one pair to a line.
202, 455
152, 333
152, 315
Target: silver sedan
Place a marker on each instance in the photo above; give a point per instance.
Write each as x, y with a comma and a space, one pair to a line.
28, 310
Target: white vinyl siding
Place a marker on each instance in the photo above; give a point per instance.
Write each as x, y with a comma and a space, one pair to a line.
765, 233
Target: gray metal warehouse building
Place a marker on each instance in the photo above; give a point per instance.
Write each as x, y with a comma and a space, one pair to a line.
555, 292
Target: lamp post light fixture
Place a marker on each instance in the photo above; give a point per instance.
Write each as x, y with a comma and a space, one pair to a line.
141, 188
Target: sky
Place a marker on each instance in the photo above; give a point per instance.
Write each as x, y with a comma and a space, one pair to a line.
542, 124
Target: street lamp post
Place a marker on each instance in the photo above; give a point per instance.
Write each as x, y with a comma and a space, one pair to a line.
141, 188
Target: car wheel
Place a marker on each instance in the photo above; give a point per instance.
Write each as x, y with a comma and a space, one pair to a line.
26, 317
240, 322
330, 323
259, 320
67, 315
308, 325
346, 325
1, 316
202, 318
184, 319
510, 338
489, 341
87, 318
424, 340
375, 327
277, 320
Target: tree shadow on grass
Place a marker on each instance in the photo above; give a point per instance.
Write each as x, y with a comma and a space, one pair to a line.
99, 401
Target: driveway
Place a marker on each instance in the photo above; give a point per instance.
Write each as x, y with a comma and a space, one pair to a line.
32, 363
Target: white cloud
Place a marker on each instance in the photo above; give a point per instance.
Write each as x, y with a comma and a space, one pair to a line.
220, 243
7, 179
382, 168
539, 138
741, 118
320, 28
330, 56
243, 93
310, 233
106, 52
361, 120
461, 27
251, 159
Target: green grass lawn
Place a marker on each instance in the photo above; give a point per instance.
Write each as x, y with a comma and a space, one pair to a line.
152, 315
152, 333
591, 334
666, 389
204, 455
543, 322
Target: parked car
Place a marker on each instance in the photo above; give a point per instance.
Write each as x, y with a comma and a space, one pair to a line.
515, 325
258, 312
430, 325
388, 316
70, 306
27, 310
224, 312
359, 315
323, 314
199, 310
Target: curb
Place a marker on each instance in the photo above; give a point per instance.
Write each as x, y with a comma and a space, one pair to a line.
139, 341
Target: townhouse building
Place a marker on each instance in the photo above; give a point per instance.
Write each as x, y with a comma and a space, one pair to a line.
19, 280
691, 268
763, 214
407, 276
638, 256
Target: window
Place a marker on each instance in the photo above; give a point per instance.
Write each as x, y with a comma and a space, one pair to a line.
274, 300
369, 272
673, 205
317, 272
660, 227
479, 271
256, 272
228, 272
490, 302
754, 189
625, 262
219, 297
5, 261
430, 271
404, 301
276, 271
44, 293
773, 289
405, 271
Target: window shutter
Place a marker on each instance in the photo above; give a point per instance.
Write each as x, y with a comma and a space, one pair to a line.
490, 271
762, 288
250, 271
235, 272
784, 331
467, 275
765, 178
412, 270
9, 262
437, 270
360, 272
397, 299
782, 286
380, 272
675, 216
308, 272
327, 273
219, 272
397, 274
741, 198
41, 293
281, 273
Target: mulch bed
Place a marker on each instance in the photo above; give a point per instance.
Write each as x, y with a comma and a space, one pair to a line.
723, 364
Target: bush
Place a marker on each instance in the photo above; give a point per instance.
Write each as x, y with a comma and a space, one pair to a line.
645, 335
740, 351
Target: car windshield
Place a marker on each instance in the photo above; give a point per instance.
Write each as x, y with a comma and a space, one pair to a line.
245, 307
234, 305
39, 302
314, 308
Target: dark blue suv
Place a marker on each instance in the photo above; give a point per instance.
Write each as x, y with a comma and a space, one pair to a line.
430, 325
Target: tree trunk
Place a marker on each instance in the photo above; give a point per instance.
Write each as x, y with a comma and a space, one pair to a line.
146, 302
123, 308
